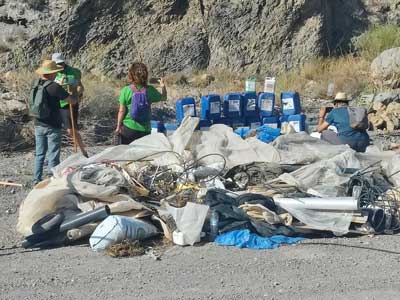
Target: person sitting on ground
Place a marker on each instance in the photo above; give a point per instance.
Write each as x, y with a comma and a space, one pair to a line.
357, 139
70, 79
135, 105
48, 130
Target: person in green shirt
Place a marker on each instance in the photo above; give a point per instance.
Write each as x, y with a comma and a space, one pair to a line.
127, 128
70, 79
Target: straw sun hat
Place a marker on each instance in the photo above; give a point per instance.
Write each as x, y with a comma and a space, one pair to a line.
48, 67
342, 97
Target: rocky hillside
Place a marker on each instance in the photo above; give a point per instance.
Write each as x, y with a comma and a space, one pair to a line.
257, 36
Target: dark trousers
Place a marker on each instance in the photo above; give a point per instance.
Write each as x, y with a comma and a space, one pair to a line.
128, 135
359, 145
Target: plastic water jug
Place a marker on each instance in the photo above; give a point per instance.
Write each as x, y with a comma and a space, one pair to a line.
253, 122
290, 103
185, 107
266, 104
225, 121
250, 85
157, 126
269, 85
170, 128
233, 103
250, 104
210, 107
298, 122
272, 122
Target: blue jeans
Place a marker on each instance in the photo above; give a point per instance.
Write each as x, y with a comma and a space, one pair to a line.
47, 140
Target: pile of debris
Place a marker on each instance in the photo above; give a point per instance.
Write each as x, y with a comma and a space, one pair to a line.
213, 185
385, 112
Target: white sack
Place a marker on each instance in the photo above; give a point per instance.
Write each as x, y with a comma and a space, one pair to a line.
189, 221
115, 229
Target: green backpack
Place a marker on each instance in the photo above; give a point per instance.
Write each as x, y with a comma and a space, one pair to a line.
38, 101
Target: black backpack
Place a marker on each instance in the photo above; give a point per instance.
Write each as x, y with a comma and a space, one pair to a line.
39, 99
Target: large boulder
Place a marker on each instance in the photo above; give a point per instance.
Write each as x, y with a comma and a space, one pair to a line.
385, 69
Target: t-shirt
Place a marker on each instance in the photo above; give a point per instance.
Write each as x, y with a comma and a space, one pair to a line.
68, 77
125, 99
55, 94
339, 117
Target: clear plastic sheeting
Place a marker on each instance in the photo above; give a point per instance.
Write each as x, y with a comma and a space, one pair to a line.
392, 169
323, 173
328, 203
45, 199
300, 148
220, 139
97, 181
337, 222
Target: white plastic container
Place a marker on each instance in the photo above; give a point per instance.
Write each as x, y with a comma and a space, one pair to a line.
269, 85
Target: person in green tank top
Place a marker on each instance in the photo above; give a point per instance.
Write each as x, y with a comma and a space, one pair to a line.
70, 79
127, 128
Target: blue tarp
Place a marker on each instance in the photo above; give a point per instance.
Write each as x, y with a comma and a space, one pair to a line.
245, 239
244, 132
267, 134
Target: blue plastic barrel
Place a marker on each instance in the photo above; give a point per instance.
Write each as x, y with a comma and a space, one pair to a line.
185, 107
210, 107
290, 103
272, 122
266, 104
250, 105
233, 104
298, 122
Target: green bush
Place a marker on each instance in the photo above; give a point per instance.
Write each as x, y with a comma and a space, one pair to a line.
378, 39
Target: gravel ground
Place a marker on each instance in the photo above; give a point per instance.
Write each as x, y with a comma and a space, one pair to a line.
339, 268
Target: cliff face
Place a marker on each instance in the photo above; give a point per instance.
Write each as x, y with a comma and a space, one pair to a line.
259, 36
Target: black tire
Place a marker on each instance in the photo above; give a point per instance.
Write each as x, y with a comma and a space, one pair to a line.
48, 223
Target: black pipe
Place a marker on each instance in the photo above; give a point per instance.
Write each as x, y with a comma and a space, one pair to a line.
78, 220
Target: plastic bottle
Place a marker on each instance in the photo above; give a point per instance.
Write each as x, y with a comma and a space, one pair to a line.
214, 220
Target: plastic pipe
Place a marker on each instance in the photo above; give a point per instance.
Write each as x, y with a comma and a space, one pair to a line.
81, 232
78, 220
326, 203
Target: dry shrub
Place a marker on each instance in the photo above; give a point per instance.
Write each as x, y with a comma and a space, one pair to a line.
100, 97
21, 81
348, 74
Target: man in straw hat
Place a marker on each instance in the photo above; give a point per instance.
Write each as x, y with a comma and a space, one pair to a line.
339, 117
70, 79
48, 129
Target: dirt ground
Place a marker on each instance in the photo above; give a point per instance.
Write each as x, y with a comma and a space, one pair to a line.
336, 268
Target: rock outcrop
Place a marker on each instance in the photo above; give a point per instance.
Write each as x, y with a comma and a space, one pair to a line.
258, 36
385, 69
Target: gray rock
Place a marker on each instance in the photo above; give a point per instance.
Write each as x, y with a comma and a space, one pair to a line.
386, 97
254, 36
385, 69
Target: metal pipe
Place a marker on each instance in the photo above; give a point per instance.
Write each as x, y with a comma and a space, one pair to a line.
326, 203
78, 220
